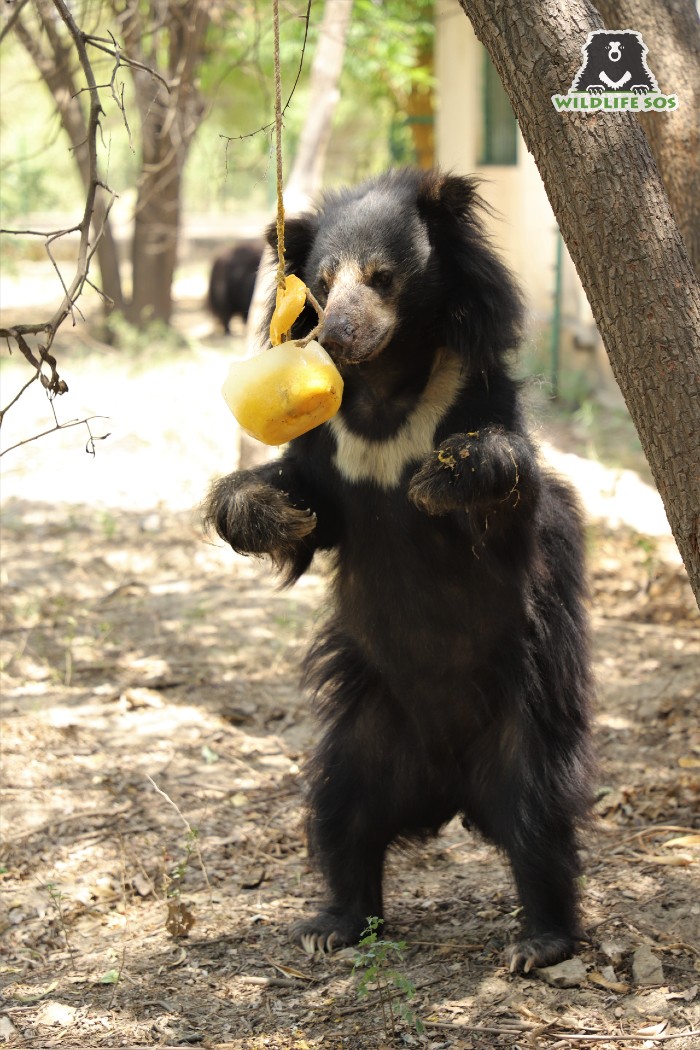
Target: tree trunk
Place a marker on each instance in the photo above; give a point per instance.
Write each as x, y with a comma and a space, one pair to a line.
170, 116
157, 216
610, 203
55, 68
671, 31
324, 92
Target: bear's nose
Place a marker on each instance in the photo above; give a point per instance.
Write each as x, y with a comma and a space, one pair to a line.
338, 334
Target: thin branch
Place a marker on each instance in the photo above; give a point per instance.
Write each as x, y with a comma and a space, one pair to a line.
268, 127
12, 19
194, 838
112, 48
43, 357
17, 396
59, 426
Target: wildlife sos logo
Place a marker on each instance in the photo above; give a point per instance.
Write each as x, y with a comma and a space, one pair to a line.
614, 75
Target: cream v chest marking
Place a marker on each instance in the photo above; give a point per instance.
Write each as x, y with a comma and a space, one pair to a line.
362, 459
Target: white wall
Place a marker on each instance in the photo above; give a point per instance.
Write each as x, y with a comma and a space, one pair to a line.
525, 229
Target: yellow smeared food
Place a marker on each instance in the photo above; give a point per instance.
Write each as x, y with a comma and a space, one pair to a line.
289, 303
283, 392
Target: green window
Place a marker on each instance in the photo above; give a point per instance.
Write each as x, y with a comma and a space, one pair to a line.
499, 126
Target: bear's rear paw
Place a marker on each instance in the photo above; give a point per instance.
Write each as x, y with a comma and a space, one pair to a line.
328, 931
535, 952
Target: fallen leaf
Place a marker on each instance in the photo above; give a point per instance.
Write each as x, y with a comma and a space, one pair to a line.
603, 982
654, 1029
53, 1013
681, 860
683, 840
180, 919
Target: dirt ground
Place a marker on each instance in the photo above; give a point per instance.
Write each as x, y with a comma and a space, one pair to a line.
153, 741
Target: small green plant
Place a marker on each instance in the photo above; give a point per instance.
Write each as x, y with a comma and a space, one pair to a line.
56, 898
394, 990
173, 880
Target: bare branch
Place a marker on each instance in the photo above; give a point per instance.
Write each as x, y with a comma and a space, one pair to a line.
90, 447
268, 127
43, 358
10, 23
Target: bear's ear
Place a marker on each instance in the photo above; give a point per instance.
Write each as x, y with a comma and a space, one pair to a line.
447, 198
299, 233
483, 305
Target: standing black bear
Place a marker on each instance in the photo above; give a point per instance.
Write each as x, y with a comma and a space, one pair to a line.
232, 282
453, 670
614, 60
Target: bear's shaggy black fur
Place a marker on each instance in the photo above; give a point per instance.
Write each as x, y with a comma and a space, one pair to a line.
232, 282
614, 60
452, 673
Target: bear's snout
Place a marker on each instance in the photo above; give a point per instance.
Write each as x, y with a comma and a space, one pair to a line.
338, 334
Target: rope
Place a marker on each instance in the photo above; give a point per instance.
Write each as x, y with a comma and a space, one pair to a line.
281, 283
280, 276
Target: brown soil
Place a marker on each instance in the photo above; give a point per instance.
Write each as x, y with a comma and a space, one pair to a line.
153, 736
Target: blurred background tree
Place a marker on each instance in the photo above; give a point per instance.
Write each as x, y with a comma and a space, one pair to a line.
187, 90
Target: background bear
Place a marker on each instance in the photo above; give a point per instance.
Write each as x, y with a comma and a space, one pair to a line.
452, 673
614, 60
232, 282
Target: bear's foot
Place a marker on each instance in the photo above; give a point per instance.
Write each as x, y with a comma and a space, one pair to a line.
534, 952
328, 931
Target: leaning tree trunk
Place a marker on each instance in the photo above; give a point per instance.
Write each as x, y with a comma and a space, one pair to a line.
610, 203
671, 31
54, 59
324, 94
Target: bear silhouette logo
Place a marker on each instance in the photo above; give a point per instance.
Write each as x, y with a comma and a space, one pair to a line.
614, 60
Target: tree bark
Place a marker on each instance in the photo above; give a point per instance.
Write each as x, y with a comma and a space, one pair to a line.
671, 31
170, 117
610, 203
55, 67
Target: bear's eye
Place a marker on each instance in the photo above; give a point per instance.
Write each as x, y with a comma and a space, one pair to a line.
324, 284
381, 279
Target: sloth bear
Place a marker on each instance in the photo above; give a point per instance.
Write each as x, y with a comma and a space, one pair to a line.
614, 60
452, 673
232, 282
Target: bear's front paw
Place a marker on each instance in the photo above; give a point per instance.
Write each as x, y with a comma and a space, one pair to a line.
443, 483
256, 518
595, 89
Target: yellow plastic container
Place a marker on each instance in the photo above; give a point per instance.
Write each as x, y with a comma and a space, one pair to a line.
283, 392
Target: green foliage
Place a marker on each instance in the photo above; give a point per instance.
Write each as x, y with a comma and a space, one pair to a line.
231, 158
394, 990
173, 880
387, 46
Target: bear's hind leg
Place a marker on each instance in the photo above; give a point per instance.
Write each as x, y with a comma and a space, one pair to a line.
366, 790
545, 865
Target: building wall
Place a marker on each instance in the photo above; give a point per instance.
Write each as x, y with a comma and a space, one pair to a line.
524, 228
